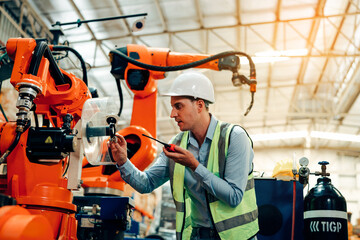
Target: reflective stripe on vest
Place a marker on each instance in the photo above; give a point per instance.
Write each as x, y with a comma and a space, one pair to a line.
231, 223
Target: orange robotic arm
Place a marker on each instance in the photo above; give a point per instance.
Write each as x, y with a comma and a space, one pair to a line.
37, 156
141, 66
54, 91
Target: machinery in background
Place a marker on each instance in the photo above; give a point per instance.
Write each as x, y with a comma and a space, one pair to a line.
325, 213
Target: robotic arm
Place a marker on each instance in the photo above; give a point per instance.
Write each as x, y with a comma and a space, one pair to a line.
38, 157
139, 65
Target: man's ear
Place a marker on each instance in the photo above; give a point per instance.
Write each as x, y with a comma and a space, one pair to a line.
201, 105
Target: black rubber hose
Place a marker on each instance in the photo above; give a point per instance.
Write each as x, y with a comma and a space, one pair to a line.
36, 58
3, 113
77, 54
188, 65
41, 50
13, 144
118, 84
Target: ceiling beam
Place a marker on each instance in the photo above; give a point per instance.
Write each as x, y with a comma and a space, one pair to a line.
161, 15
199, 13
331, 49
351, 92
187, 43
37, 18
118, 8
309, 45
270, 67
13, 22
228, 26
238, 11
88, 28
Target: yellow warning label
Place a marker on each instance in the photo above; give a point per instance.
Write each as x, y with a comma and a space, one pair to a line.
48, 140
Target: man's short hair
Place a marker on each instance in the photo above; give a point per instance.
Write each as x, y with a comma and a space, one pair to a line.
206, 102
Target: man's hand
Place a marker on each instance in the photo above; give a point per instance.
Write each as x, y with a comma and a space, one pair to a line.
118, 149
183, 157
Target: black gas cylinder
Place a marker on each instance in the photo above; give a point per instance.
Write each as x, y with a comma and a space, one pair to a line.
325, 215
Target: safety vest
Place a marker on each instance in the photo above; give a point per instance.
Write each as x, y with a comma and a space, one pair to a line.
240, 222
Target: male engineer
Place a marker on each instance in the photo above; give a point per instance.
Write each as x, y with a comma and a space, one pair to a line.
210, 169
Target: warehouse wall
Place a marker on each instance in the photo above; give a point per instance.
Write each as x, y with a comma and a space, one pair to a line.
344, 169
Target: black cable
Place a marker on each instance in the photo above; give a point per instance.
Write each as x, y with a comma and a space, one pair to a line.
3, 112
13, 144
77, 54
36, 58
67, 167
251, 104
61, 57
188, 65
41, 50
118, 84
194, 64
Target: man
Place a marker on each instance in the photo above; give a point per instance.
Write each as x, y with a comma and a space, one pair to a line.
210, 170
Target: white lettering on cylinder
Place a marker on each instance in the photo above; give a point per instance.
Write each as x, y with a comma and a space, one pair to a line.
329, 226
323, 226
338, 226
332, 226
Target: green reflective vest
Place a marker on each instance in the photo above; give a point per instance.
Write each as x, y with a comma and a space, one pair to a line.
240, 222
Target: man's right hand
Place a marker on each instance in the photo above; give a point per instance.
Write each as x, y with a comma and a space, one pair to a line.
118, 149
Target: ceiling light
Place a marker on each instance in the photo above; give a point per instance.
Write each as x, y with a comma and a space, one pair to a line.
305, 134
278, 136
335, 136
283, 53
244, 60
274, 56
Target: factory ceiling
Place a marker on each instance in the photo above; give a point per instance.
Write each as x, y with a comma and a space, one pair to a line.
306, 55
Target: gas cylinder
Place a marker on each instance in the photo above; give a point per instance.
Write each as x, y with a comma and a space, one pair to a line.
325, 215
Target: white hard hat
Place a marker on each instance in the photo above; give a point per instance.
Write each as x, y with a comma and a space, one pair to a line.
193, 84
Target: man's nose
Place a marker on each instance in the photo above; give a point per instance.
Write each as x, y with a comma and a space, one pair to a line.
173, 113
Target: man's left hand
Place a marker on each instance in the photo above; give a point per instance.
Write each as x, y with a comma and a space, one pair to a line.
183, 157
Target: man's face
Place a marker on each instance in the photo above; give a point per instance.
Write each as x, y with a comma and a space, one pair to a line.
185, 112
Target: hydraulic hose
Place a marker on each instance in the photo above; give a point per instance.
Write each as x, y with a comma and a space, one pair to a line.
251, 104
11, 148
13, 144
118, 84
77, 54
3, 113
41, 50
188, 65
251, 82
